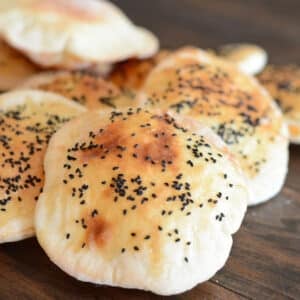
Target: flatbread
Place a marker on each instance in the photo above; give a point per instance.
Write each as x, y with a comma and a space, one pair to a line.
283, 83
27, 121
87, 89
192, 82
73, 34
130, 201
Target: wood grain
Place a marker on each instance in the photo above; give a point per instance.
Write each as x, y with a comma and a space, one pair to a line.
265, 259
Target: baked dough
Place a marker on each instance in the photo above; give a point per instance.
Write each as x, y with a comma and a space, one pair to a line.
194, 83
73, 34
14, 67
283, 83
87, 89
134, 199
131, 74
27, 121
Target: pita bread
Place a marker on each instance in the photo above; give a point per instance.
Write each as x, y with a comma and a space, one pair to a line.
283, 83
194, 83
73, 34
90, 90
143, 210
27, 121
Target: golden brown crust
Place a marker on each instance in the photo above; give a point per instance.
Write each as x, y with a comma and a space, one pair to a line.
14, 67
27, 121
194, 83
283, 83
131, 189
73, 34
132, 73
87, 89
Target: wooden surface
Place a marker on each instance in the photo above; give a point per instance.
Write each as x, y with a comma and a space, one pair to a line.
265, 260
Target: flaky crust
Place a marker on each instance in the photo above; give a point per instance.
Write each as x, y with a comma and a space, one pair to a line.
14, 67
87, 89
194, 83
283, 83
139, 201
73, 34
27, 121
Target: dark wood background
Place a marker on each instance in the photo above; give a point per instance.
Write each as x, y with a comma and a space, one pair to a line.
265, 259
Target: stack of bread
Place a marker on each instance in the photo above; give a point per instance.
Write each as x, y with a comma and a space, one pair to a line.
134, 167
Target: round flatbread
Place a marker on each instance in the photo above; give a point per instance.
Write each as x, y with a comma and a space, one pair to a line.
73, 34
27, 121
90, 90
134, 199
194, 83
14, 67
131, 74
283, 83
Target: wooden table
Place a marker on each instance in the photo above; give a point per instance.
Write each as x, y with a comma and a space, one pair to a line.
265, 260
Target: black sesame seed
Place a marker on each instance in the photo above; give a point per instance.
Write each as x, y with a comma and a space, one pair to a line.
189, 162
94, 213
69, 157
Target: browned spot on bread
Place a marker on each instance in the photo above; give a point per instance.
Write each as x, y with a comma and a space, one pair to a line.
105, 142
158, 149
294, 130
99, 231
